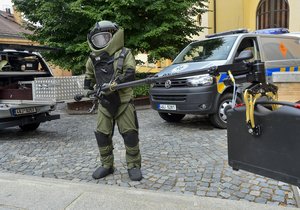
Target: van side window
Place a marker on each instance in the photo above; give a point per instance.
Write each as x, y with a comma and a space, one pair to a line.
249, 43
280, 48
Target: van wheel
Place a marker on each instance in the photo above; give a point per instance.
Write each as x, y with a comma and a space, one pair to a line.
219, 119
30, 127
169, 117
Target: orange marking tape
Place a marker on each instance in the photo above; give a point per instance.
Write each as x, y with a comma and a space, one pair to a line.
283, 49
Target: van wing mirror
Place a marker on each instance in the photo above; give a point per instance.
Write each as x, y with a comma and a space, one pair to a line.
244, 55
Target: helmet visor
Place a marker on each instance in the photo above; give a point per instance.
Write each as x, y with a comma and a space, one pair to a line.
100, 40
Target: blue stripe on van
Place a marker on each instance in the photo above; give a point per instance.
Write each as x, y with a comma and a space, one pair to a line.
271, 70
222, 77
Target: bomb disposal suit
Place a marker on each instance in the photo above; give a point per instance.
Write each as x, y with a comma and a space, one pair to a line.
111, 63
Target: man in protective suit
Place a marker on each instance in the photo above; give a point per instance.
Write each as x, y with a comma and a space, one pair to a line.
110, 63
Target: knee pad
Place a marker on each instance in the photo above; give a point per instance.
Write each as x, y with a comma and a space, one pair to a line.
131, 138
103, 140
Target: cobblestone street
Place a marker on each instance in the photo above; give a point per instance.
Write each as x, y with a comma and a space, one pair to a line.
189, 157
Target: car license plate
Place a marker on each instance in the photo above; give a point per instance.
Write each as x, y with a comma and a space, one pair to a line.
22, 111
167, 107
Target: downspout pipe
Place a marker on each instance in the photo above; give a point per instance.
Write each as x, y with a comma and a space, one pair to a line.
215, 16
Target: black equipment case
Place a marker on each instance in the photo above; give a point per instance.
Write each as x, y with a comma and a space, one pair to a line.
275, 153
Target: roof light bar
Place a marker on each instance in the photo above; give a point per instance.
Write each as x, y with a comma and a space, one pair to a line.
272, 31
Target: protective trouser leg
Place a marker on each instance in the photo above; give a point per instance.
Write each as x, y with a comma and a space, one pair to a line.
133, 155
104, 133
106, 149
128, 127
106, 155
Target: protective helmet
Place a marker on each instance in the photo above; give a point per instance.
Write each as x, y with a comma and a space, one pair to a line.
100, 35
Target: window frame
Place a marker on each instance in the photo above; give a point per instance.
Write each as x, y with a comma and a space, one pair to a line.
272, 14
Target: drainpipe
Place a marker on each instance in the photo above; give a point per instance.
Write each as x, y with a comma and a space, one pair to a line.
215, 16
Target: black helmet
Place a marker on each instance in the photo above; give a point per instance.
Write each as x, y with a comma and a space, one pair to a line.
100, 35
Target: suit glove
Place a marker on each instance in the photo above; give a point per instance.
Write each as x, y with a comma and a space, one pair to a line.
87, 92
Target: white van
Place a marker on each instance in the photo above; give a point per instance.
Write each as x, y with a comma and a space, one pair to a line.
206, 95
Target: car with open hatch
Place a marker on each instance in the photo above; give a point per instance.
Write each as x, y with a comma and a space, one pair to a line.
20, 65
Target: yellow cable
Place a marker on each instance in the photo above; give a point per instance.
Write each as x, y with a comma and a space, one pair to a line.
250, 104
250, 101
251, 112
231, 76
252, 121
274, 97
246, 99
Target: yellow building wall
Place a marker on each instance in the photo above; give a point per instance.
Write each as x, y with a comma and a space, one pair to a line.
15, 41
250, 7
235, 14
59, 72
210, 17
294, 15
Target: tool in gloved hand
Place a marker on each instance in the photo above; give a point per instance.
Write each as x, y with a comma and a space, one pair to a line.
101, 94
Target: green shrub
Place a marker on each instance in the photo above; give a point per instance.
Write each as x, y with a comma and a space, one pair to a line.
142, 90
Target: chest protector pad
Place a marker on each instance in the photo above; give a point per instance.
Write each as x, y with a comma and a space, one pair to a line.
104, 69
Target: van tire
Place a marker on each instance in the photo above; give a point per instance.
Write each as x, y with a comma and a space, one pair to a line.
170, 117
30, 127
219, 119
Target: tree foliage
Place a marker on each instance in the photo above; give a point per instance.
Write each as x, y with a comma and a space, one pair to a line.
158, 27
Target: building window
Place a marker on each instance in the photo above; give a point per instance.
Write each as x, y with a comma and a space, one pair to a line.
272, 14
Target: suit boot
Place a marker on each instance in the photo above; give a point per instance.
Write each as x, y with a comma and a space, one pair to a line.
102, 172
135, 174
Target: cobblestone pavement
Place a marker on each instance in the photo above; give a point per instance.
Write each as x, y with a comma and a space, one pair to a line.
188, 157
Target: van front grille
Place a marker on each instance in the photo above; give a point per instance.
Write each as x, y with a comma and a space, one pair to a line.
180, 98
174, 83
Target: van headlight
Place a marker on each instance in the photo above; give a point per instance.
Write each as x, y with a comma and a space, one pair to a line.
201, 80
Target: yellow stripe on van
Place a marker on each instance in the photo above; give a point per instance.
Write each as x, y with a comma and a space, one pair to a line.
283, 69
221, 87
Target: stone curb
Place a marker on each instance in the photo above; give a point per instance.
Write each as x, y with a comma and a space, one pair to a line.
78, 195
296, 192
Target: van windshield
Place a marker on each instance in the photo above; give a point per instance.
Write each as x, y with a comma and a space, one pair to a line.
207, 50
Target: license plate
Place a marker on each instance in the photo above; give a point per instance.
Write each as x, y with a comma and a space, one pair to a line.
167, 106
22, 111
